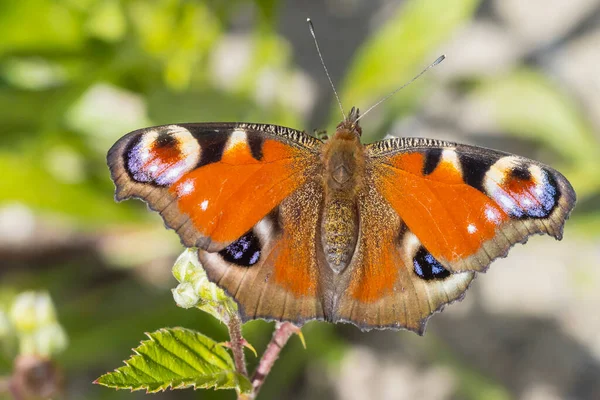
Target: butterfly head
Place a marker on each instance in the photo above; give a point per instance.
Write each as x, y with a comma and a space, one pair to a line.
350, 127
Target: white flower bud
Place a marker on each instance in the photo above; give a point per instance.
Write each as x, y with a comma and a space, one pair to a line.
197, 290
31, 310
185, 296
186, 266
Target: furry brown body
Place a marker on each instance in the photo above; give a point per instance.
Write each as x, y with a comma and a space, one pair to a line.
344, 165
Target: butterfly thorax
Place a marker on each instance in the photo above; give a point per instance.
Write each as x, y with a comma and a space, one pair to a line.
343, 158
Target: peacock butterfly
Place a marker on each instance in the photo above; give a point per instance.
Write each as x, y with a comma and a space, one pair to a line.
296, 228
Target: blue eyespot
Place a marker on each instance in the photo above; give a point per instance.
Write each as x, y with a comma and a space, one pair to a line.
427, 267
244, 252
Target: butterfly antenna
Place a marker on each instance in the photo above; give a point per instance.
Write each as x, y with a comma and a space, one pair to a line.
433, 64
312, 32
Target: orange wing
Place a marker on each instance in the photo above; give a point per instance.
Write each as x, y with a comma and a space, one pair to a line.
212, 182
432, 214
272, 271
468, 205
393, 282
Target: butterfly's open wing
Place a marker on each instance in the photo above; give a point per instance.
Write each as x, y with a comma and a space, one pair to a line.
432, 214
393, 282
212, 182
272, 271
468, 205
245, 195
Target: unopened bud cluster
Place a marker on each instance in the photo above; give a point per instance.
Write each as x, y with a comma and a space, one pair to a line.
32, 318
195, 290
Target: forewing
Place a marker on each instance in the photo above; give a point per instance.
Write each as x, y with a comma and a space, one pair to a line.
212, 182
468, 205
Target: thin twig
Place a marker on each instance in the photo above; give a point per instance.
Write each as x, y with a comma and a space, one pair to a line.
280, 337
237, 344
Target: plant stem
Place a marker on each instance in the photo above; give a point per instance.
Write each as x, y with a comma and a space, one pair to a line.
237, 344
282, 333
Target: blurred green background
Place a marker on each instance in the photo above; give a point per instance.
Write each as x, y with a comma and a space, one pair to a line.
75, 75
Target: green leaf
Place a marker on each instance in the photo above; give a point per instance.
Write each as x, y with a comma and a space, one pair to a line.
177, 358
400, 49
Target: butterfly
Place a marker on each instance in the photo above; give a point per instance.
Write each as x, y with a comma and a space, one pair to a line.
296, 228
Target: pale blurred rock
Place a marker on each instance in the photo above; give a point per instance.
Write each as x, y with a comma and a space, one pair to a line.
528, 283
555, 280
366, 375
538, 22
481, 48
476, 115
541, 392
469, 114
580, 316
577, 65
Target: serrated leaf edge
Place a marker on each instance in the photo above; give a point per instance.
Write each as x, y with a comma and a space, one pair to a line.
215, 380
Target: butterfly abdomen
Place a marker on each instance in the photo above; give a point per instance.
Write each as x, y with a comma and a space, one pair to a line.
343, 158
339, 232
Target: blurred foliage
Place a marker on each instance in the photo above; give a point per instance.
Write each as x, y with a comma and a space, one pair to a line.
75, 75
